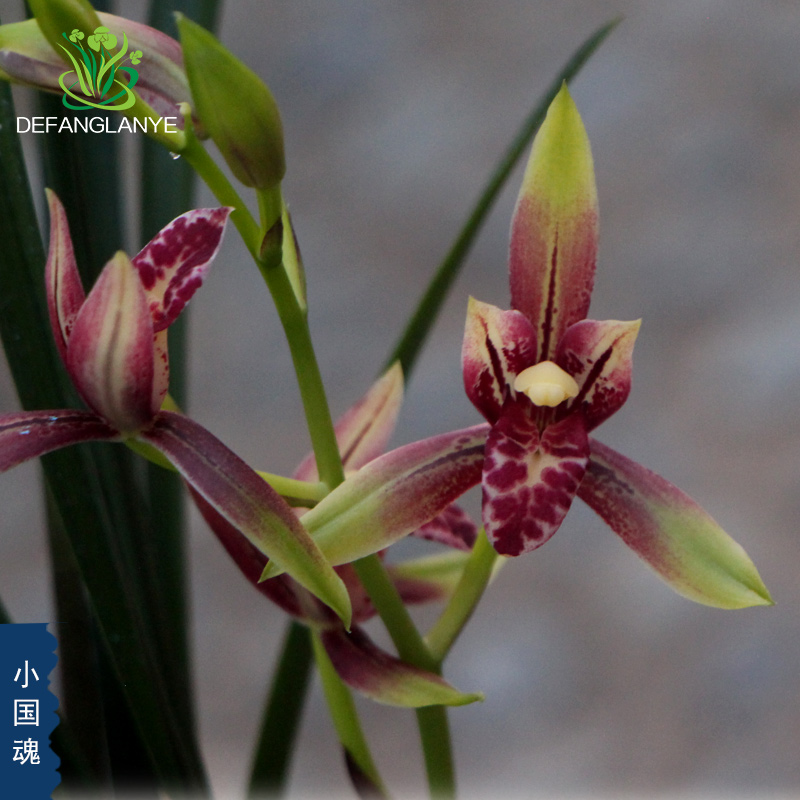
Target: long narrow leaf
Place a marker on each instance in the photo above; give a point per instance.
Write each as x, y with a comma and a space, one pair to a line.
75, 479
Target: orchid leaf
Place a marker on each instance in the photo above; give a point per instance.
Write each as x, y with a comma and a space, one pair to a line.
248, 503
670, 532
395, 494
384, 678
81, 481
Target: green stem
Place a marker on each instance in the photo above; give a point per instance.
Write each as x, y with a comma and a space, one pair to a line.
433, 724
282, 714
345, 717
474, 580
393, 612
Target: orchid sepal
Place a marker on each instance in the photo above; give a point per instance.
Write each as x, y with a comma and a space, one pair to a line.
384, 678
554, 229
29, 434
671, 532
395, 494
246, 501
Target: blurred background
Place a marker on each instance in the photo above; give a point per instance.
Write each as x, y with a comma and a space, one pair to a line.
598, 680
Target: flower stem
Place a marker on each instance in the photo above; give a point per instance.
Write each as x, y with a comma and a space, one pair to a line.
433, 724
345, 717
474, 580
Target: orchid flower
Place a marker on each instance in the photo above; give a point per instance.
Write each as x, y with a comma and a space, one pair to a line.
114, 345
362, 434
544, 377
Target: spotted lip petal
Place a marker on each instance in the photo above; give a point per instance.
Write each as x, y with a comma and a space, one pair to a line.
530, 479
599, 356
110, 348
670, 532
554, 230
498, 345
384, 678
30, 434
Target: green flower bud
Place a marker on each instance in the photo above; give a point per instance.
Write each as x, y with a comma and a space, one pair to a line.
235, 108
57, 17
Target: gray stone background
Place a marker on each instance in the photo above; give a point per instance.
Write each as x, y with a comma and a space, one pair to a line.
598, 679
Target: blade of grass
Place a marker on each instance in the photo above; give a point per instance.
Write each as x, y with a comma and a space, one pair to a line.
75, 478
410, 343
282, 714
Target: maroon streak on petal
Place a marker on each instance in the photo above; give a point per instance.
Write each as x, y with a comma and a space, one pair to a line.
246, 501
529, 481
173, 264
384, 678
599, 355
498, 345
29, 434
453, 528
65, 294
363, 431
551, 268
110, 351
395, 494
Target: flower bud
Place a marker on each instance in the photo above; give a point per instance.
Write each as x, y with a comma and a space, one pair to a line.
235, 108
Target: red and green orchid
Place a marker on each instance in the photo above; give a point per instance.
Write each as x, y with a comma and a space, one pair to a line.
362, 434
114, 345
544, 377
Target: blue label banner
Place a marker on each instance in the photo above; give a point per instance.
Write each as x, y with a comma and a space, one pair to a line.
28, 766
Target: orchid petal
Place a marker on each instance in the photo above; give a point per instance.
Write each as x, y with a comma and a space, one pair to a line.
498, 345
65, 294
110, 350
554, 229
529, 481
395, 494
670, 532
27, 57
30, 434
248, 503
173, 264
599, 355
452, 528
363, 431
384, 678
